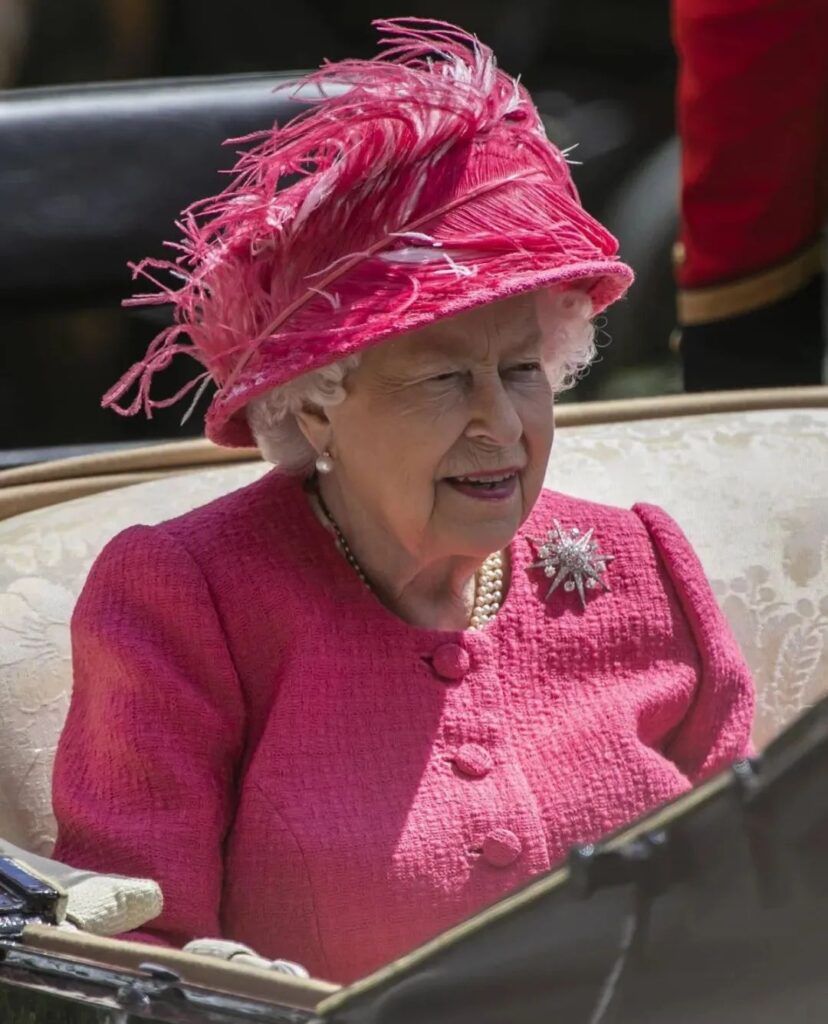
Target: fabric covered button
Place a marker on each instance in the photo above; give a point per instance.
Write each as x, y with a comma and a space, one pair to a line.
450, 661
474, 760
501, 848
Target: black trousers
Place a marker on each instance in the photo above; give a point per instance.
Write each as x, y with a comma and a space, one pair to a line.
778, 345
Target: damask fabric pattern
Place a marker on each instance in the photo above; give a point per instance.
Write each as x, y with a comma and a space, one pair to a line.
750, 490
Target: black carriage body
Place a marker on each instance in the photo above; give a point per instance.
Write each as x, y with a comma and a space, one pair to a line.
713, 908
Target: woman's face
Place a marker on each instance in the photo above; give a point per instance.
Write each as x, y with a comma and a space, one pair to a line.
443, 438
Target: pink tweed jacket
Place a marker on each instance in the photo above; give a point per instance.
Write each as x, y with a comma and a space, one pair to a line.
306, 773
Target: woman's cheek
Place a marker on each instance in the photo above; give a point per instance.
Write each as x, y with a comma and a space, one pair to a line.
537, 410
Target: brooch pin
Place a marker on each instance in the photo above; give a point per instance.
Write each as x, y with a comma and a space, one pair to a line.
572, 558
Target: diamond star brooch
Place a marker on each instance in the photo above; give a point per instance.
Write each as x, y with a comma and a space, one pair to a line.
572, 558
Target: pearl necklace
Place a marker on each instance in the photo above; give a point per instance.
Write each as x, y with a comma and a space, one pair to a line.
488, 590
488, 583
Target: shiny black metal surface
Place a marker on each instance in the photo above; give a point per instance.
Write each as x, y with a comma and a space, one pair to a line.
153, 993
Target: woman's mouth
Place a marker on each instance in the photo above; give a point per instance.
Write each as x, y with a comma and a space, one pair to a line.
486, 486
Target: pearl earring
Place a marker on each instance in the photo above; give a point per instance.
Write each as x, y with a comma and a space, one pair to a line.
324, 462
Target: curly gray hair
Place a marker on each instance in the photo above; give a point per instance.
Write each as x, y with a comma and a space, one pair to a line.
569, 337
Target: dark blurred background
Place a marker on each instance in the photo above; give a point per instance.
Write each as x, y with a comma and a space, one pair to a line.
602, 74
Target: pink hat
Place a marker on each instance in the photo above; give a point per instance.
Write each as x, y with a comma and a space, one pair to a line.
419, 184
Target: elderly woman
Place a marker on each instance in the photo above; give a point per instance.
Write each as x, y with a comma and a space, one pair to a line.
340, 709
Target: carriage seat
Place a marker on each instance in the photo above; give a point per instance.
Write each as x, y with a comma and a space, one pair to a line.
749, 487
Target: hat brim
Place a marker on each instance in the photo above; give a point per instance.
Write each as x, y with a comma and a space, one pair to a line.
604, 280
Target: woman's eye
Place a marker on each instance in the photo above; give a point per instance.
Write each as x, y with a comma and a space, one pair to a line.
529, 367
442, 377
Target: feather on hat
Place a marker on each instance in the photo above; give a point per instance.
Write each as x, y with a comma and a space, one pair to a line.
417, 185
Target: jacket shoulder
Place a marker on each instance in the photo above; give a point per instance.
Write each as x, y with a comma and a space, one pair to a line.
254, 501
648, 548
229, 528
570, 511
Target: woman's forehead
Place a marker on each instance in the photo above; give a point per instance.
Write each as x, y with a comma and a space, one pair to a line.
494, 328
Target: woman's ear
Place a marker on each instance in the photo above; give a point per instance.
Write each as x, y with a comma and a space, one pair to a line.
315, 426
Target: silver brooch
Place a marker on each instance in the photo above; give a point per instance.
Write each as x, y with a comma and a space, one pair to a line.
572, 558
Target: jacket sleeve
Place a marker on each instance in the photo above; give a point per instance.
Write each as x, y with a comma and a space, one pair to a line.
716, 728
145, 769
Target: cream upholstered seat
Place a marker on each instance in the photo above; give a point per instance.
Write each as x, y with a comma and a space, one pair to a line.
749, 487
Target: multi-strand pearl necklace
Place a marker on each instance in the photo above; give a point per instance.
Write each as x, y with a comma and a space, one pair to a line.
488, 591
488, 583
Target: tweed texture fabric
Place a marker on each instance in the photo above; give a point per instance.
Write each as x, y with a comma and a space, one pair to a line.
304, 772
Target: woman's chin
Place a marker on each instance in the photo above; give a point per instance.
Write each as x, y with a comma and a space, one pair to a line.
481, 525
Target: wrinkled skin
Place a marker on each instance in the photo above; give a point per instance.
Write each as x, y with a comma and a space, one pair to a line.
463, 395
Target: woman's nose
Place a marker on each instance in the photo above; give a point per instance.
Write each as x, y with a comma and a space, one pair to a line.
493, 414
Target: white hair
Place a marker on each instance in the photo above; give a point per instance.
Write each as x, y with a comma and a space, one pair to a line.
569, 348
